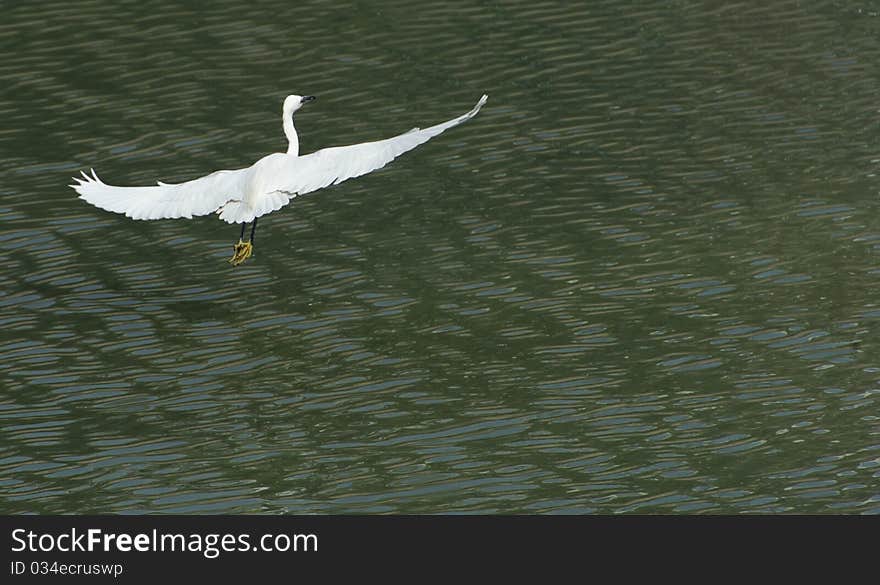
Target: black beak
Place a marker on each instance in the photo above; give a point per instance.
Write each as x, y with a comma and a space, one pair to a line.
307, 98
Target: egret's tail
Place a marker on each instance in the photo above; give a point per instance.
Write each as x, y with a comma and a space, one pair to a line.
238, 211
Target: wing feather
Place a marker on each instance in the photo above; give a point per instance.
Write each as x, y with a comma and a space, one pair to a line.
165, 201
331, 166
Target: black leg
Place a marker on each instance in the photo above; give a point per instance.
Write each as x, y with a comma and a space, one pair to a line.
241, 237
253, 229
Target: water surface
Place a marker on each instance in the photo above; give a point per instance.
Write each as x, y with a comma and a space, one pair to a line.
641, 280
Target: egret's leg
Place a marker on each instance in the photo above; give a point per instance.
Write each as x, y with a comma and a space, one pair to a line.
242, 250
245, 248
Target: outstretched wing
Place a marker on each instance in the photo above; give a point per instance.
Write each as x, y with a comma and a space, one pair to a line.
197, 197
331, 166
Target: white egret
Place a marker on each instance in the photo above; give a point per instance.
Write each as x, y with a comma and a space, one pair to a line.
243, 195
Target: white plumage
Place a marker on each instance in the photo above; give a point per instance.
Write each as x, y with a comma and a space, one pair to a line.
242, 195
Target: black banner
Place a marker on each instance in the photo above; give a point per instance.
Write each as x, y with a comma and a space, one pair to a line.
134, 548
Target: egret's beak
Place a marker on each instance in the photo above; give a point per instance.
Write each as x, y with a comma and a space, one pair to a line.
307, 98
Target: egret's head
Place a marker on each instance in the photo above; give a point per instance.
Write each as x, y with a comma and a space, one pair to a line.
294, 102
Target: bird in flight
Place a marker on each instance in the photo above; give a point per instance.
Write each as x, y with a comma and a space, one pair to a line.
243, 195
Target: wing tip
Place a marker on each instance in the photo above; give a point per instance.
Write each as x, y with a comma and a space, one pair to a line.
86, 179
477, 107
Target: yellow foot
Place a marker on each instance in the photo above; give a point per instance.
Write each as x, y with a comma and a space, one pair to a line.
241, 252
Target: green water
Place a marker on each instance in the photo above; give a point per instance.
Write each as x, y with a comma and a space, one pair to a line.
641, 280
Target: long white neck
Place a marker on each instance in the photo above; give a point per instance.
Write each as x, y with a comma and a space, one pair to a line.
290, 132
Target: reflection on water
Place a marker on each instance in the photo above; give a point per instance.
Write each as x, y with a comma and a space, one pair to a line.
641, 280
